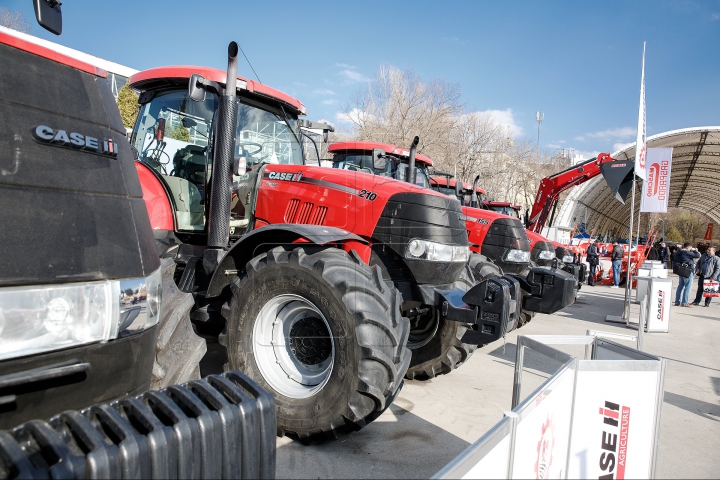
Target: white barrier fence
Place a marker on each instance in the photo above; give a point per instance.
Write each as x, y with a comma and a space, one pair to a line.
597, 417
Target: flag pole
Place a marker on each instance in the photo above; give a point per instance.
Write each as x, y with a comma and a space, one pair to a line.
638, 172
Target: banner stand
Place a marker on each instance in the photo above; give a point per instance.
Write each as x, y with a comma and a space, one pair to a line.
594, 417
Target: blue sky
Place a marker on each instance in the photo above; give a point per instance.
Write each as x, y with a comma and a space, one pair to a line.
578, 62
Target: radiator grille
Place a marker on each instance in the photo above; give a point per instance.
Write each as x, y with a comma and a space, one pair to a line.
291, 210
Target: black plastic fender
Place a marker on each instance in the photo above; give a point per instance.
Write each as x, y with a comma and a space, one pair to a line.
263, 239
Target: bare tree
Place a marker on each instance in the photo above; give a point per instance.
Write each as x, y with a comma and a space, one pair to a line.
397, 105
14, 19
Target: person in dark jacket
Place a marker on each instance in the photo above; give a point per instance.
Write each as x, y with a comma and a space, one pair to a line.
686, 255
708, 269
616, 256
664, 254
593, 259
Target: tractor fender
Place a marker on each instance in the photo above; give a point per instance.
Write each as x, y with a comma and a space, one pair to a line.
265, 238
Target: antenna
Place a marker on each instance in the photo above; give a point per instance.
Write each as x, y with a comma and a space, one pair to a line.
539, 116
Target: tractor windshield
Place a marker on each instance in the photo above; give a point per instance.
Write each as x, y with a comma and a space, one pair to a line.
362, 162
173, 135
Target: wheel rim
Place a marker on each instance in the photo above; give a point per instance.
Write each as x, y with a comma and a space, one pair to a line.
293, 346
423, 329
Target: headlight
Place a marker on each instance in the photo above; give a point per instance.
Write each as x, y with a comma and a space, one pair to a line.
436, 252
36, 319
546, 255
517, 256
568, 258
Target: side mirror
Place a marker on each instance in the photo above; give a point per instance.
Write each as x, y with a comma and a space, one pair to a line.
48, 14
160, 130
239, 166
379, 160
196, 90
188, 122
458, 190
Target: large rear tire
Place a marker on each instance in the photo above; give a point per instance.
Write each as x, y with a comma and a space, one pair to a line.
178, 349
436, 343
322, 332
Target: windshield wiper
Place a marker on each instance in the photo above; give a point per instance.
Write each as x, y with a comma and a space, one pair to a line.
287, 122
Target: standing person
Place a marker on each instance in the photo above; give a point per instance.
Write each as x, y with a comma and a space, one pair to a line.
686, 255
708, 269
664, 254
617, 255
593, 258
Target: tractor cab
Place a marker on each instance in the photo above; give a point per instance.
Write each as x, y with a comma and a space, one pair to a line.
505, 208
174, 134
358, 156
445, 183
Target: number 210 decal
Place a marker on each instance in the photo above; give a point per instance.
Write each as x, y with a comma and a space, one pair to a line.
367, 195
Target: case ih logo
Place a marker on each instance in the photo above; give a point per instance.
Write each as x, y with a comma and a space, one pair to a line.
614, 441
661, 305
287, 176
657, 180
74, 140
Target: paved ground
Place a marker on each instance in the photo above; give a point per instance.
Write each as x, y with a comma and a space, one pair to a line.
432, 421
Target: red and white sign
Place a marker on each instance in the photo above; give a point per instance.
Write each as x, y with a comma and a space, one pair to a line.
613, 424
656, 187
659, 300
542, 434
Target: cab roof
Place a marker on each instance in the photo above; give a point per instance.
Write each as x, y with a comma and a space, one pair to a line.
444, 181
391, 149
148, 79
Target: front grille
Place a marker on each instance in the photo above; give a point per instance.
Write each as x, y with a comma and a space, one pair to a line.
297, 213
505, 234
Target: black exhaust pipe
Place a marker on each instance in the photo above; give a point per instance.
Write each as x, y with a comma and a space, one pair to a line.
224, 152
411, 161
474, 197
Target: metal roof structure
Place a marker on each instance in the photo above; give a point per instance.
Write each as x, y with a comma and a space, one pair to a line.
694, 183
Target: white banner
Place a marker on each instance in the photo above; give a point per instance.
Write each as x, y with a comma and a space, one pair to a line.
640, 147
613, 423
656, 187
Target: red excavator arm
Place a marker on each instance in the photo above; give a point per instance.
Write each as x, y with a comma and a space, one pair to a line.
551, 187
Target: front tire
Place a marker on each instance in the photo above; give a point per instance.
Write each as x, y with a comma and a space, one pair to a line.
436, 343
322, 332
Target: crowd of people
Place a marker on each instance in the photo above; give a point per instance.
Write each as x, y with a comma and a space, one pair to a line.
685, 260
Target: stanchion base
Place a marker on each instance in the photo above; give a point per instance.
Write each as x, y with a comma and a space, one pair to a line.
616, 319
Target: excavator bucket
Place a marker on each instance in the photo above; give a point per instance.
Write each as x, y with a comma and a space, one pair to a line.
618, 175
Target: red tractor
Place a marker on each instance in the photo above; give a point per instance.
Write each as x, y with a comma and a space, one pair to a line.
492, 235
311, 273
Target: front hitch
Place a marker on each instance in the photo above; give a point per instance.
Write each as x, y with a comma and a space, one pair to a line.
549, 289
491, 307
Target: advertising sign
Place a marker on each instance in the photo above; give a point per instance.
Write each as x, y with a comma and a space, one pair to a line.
640, 145
542, 432
613, 424
656, 187
658, 318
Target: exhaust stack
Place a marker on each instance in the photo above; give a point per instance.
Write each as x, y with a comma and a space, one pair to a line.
474, 197
224, 152
411, 161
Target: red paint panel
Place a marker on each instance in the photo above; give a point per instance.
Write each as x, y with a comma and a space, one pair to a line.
215, 75
156, 200
41, 51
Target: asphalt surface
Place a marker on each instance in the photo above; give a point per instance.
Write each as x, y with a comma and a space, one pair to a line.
434, 420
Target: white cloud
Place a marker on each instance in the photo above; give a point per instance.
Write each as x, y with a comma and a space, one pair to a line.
507, 119
553, 145
585, 154
580, 139
351, 76
300, 84
561, 141
329, 101
323, 91
355, 116
344, 65
620, 146
623, 132
714, 16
